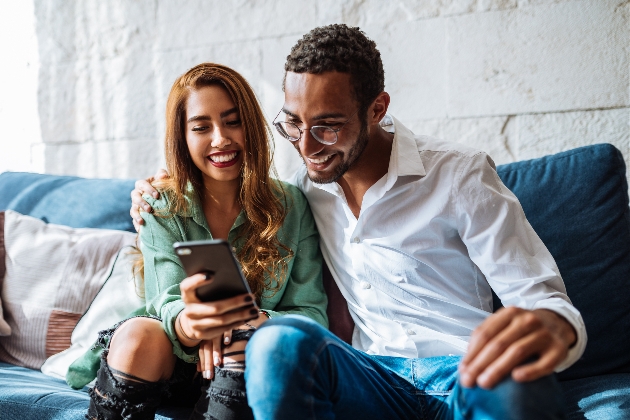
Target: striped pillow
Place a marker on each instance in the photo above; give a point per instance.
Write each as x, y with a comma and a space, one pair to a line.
53, 273
5, 329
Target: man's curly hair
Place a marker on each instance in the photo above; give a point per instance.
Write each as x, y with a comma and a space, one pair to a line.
344, 49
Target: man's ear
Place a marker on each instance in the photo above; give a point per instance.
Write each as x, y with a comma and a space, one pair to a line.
378, 108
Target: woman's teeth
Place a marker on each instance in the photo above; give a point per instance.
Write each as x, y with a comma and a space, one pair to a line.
320, 160
223, 158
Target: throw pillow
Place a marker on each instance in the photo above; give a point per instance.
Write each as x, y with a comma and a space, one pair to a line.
5, 329
117, 299
52, 274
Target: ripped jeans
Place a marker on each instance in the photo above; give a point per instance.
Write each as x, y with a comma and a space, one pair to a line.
118, 395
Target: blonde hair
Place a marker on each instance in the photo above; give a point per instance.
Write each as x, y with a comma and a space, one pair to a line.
262, 199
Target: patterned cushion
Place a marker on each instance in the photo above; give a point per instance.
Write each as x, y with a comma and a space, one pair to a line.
52, 274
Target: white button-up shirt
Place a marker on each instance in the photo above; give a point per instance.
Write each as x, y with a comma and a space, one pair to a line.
434, 235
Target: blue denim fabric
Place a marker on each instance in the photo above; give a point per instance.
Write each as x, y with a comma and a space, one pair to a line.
299, 370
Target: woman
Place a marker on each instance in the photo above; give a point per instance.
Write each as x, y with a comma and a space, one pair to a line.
217, 153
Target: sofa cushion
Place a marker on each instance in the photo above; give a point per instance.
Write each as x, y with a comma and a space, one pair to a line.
600, 397
577, 202
69, 200
29, 394
52, 274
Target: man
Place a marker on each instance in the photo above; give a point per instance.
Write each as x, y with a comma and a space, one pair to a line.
416, 232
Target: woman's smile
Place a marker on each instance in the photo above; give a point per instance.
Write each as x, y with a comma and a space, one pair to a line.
223, 159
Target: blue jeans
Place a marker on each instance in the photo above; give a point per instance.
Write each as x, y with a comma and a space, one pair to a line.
299, 370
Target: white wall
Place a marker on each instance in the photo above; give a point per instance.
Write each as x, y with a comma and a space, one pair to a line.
517, 78
19, 67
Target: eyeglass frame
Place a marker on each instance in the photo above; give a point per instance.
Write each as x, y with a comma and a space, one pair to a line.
292, 140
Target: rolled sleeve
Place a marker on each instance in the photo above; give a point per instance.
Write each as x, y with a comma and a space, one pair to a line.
163, 272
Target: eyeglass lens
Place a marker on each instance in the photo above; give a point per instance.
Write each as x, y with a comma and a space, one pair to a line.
322, 134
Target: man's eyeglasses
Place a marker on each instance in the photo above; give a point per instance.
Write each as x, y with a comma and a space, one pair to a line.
321, 133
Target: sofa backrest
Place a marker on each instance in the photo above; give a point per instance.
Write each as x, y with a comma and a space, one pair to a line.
577, 202
69, 200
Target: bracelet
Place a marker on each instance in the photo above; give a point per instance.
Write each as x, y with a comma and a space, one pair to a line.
181, 329
262, 311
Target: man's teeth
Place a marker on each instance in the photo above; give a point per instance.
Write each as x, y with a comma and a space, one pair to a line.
223, 158
320, 160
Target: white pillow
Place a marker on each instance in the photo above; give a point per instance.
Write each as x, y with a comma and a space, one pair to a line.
117, 298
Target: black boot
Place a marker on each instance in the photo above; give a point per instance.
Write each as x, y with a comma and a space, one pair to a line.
224, 397
118, 396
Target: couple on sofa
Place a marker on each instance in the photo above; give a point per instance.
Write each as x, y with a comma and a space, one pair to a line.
416, 232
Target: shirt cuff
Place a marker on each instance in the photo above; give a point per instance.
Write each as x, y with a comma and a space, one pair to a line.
573, 317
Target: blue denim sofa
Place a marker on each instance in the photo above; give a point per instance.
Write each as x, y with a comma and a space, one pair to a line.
577, 202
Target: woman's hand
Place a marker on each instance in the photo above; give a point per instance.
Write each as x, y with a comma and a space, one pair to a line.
211, 351
209, 320
144, 186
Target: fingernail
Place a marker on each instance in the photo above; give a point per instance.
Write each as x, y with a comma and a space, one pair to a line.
253, 311
217, 361
207, 374
155, 195
226, 340
248, 298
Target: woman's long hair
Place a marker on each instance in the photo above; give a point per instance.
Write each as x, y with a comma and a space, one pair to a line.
261, 198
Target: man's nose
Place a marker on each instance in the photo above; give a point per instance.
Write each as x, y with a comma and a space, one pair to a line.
308, 145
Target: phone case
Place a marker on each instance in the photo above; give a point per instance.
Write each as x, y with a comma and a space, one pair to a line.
216, 257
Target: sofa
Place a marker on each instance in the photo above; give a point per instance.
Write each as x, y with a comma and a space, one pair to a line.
577, 201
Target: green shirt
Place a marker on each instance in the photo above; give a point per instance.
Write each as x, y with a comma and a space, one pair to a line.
301, 292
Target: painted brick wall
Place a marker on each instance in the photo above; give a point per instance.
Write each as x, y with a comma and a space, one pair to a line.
516, 78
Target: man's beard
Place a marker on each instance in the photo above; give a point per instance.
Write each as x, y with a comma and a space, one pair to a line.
353, 154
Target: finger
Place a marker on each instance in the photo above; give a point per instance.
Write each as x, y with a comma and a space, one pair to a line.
203, 324
210, 333
516, 354
486, 331
227, 337
217, 353
161, 174
206, 349
136, 225
545, 365
497, 346
188, 286
135, 215
144, 185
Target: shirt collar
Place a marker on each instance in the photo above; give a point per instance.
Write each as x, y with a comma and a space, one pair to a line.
195, 210
404, 159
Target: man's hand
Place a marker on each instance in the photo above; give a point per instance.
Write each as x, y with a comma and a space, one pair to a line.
144, 186
508, 338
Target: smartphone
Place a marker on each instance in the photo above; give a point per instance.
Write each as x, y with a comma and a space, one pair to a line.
216, 258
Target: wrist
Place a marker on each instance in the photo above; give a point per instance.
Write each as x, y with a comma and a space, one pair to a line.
184, 338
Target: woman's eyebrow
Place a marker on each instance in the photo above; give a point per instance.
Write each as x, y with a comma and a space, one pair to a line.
229, 112
198, 118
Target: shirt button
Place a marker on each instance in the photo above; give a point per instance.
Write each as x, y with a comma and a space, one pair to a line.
365, 285
356, 240
234, 249
411, 332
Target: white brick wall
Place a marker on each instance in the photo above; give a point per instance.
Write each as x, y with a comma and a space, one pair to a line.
517, 78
